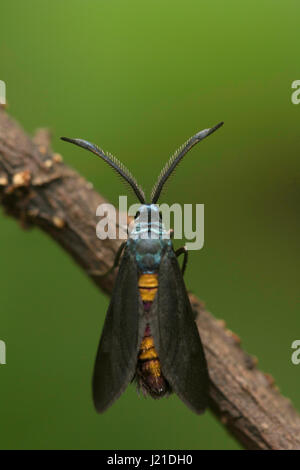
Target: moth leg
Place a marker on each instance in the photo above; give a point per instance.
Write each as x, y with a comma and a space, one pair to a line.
116, 261
170, 233
183, 250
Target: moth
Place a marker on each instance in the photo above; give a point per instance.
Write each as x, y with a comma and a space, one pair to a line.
150, 335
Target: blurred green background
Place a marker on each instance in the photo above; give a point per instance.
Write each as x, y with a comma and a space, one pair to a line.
139, 78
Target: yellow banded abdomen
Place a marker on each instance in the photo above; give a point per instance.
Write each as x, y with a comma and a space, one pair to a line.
148, 284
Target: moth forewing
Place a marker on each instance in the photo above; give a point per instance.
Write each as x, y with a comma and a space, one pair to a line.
176, 335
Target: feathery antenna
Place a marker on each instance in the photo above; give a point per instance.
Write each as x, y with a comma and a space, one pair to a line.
113, 162
176, 158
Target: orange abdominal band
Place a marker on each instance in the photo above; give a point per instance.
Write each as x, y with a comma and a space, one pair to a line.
150, 356
148, 284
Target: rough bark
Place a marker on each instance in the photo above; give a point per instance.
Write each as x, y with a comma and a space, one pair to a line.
37, 188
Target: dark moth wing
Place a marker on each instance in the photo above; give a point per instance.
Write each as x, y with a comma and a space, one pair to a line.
176, 336
121, 336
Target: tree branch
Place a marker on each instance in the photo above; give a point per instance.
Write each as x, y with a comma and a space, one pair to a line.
38, 189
